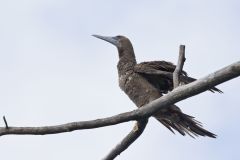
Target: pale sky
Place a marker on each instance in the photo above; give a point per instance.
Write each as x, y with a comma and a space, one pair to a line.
53, 71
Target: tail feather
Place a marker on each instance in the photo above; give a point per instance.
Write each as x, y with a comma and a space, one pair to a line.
184, 124
180, 129
166, 124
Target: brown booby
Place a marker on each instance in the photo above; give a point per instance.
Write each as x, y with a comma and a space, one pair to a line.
142, 86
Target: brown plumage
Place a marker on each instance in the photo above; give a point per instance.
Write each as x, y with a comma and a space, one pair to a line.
147, 70
142, 84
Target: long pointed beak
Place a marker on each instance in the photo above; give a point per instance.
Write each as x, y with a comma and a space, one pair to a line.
112, 40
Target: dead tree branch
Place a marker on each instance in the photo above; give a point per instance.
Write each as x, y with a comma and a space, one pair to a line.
178, 94
128, 140
179, 67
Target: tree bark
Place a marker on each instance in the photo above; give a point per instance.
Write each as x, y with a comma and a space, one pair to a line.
128, 140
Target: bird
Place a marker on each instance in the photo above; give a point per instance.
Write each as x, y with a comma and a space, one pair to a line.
142, 85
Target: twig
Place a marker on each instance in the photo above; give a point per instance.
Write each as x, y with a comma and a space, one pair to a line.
179, 67
128, 140
178, 94
5, 121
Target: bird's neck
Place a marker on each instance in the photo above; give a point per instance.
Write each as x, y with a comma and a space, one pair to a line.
126, 62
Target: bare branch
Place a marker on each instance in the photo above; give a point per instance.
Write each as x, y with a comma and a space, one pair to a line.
179, 67
178, 94
128, 140
72, 126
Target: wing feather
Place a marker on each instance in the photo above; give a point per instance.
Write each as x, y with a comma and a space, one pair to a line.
159, 74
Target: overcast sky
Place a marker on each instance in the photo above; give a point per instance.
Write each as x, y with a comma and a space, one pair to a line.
53, 71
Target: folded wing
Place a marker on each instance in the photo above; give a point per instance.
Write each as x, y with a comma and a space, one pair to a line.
159, 74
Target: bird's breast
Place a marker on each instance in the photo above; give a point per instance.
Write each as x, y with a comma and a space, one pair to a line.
138, 89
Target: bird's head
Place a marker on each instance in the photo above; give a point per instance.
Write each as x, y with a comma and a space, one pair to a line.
122, 43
